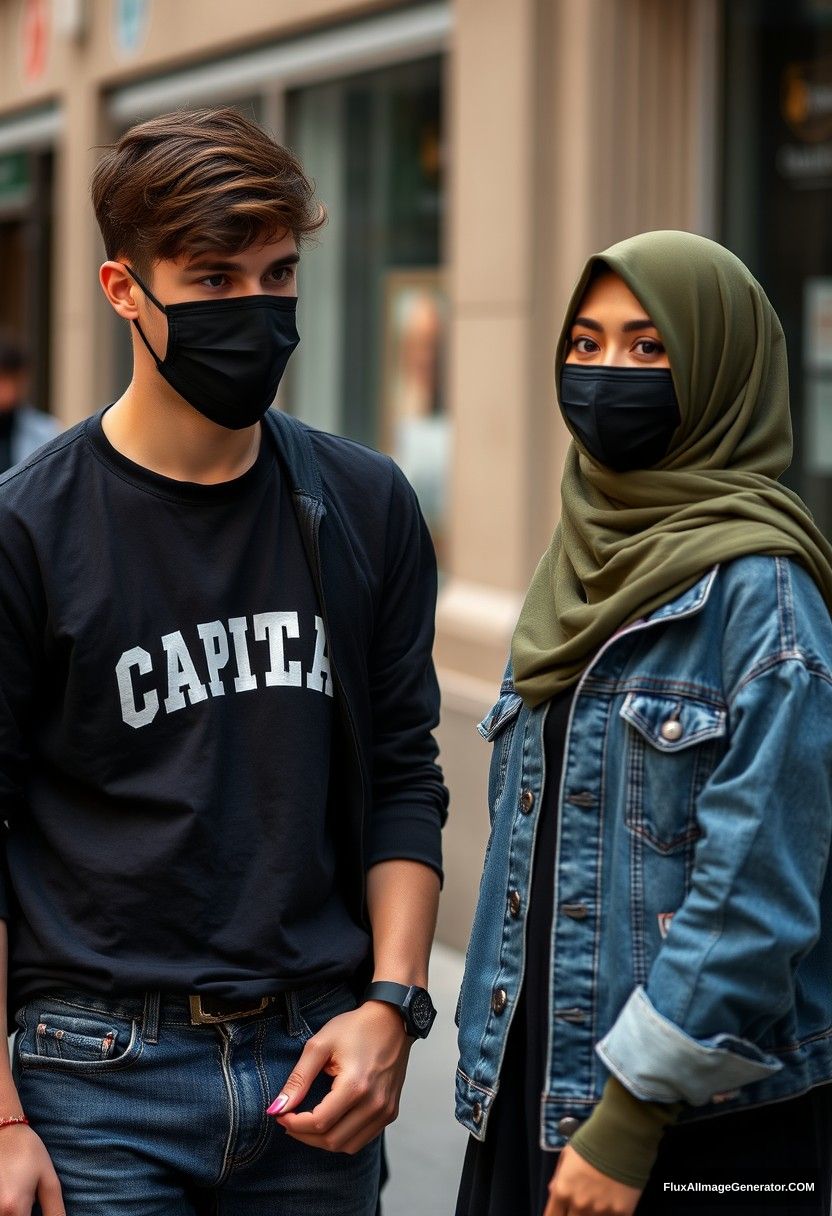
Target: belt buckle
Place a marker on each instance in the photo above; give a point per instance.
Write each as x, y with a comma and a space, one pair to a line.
199, 1017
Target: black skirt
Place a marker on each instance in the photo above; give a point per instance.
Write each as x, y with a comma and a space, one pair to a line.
508, 1173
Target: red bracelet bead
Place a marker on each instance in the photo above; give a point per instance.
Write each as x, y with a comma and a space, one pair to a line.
13, 1120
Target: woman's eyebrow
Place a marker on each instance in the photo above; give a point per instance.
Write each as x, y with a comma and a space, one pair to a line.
641, 323
588, 323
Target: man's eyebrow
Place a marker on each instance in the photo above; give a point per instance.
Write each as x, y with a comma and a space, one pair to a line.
211, 266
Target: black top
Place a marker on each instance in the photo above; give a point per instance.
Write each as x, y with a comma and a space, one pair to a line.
166, 718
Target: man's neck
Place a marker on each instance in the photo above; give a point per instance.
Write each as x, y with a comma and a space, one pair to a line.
163, 433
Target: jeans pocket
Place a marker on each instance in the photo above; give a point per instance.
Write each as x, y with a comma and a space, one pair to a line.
320, 1009
59, 1036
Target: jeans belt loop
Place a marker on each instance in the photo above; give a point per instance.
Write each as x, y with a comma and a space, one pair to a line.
150, 1018
293, 1019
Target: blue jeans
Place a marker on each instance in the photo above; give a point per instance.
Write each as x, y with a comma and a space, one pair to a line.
144, 1114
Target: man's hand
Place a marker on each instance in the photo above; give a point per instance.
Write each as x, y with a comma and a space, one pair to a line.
366, 1051
26, 1174
578, 1189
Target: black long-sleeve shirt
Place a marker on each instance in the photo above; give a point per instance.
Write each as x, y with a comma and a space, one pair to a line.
166, 725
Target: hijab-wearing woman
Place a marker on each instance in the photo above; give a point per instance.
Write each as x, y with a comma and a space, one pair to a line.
647, 999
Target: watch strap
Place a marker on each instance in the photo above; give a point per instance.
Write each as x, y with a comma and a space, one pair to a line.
387, 991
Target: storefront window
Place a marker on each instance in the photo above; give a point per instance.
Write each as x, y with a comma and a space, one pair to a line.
25, 239
372, 312
778, 202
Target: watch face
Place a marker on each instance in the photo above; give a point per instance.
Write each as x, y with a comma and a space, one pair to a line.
422, 1011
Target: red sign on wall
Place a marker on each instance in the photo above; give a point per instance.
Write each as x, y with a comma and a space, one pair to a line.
34, 38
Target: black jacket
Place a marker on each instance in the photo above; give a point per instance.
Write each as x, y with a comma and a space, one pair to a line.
375, 570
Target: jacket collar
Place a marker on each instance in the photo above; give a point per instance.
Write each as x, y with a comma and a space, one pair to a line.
689, 602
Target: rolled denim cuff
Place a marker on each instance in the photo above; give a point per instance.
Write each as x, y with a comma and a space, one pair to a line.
621, 1137
657, 1061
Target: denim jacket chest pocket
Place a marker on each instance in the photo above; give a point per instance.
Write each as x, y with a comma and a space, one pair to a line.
673, 745
498, 728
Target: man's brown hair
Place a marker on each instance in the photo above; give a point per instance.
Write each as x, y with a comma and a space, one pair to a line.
199, 180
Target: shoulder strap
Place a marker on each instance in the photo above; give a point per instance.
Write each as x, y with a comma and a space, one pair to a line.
298, 457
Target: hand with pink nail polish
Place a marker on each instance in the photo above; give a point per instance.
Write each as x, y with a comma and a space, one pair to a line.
366, 1052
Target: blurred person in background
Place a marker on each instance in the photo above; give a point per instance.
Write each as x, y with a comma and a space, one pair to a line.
646, 998
22, 427
222, 857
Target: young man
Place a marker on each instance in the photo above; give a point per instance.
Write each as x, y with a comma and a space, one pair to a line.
216, 761
22, 428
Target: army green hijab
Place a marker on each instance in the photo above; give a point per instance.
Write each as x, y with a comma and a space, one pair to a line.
629, 542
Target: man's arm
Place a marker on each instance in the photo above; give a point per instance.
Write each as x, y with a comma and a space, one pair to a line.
26, 1173
366, 1051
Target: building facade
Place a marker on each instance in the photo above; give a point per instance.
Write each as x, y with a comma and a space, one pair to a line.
471, 154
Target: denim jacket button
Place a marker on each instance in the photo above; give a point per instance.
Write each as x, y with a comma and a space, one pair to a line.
499, 1000
568, 1125
526, 801
671, 730
514, 903
476, 1114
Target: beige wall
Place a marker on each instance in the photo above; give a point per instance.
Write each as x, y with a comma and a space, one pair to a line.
572, 123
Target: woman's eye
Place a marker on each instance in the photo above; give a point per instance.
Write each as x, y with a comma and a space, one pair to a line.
648, 346
585, 346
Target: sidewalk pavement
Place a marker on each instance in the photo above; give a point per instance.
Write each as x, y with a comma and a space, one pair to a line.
425, 1145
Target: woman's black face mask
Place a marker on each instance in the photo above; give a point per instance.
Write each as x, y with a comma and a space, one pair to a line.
226, 357
624, 416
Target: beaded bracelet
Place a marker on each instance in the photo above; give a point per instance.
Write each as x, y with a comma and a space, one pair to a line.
14, 1119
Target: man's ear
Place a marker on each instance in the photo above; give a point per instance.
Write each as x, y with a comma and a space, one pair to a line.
119, 289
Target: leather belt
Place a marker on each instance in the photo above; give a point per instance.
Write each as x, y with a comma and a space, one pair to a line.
206, 1010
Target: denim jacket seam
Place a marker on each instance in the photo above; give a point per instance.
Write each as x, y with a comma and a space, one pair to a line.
787, 1048
785, 607
492, 1093
650, 685
769, 662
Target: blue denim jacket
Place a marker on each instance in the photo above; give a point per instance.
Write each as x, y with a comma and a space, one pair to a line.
692, 934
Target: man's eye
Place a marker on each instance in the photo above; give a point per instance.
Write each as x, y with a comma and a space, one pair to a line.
284, 274
213, 280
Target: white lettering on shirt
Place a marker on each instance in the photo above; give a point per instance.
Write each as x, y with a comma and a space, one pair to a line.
320, 677
215, 642
184, 680
244, 681
181, 674
130, 711
273, 625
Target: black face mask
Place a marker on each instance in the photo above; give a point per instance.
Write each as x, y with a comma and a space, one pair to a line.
624, 416
226, 357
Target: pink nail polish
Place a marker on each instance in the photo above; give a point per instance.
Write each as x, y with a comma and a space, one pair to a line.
278, 1104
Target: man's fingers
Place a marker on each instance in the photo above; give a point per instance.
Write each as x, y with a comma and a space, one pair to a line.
314, 1056
345, 1094
50, 1197
366, 1120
